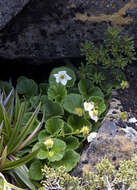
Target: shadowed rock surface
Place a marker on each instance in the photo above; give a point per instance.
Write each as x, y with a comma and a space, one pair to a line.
50, 29
9, 9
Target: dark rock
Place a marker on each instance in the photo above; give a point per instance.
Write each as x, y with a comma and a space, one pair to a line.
55, 29
9, 9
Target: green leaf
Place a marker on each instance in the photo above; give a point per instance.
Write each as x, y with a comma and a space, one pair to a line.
70, 83
22, 173
67, 128
99, 103
72, 142
54, 125
35, 171
26, 118
96, 91
55, 153
57, 92
35, 100
24, 132
77, 123
27, 87
13, 164
85, 87
52, 109
73, 104
6, 86
43, 88
69, 161
42, 135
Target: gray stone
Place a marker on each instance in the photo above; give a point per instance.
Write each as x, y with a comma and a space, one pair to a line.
9, 9
48, 29
112, 142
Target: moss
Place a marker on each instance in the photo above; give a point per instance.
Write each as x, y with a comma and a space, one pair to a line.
116, 18
105, 175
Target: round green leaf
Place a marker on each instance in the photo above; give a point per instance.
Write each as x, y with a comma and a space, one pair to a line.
35, 172
55, 153
72, 142
99, 103
73, 104
43, 153
42, 135
52, 109
85, 87
77, 123
54, 125
6, 86
27, 87
57, 92
96, 91
67, 128
35, 100
69, 161
70, 83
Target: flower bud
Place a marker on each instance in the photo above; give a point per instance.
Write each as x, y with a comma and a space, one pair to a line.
78, 111
85, 130
49, 143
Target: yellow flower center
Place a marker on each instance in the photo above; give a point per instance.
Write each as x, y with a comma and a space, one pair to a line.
95, 112
62, 76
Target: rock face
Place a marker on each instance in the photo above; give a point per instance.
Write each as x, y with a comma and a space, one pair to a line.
55, 29
9, 9
112, 141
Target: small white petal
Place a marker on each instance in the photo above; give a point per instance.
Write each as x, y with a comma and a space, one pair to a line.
55, 75
91, 136
88, 106
68, 77
63, 81
93, 117
132, 120
62, 72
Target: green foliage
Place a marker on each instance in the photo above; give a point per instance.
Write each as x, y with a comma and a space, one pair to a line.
26, 87
105, 63
16, 126
66, 122
105, 177
57, 92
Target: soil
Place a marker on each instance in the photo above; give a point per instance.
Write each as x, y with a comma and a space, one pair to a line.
128, 97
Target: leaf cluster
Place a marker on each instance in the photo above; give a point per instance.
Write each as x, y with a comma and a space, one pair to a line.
105, 63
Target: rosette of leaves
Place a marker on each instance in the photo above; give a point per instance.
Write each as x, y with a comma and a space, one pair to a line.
15, 136
109, 58
55, 153
70, 83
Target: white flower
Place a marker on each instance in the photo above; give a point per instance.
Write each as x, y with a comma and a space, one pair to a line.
88, 106
91, 136
62, 77
132, 120
93, 115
